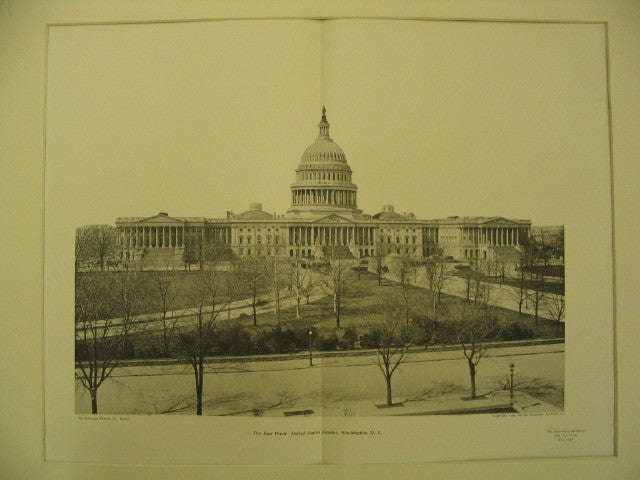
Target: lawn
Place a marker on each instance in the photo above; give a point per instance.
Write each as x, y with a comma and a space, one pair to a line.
181, 283
365, 305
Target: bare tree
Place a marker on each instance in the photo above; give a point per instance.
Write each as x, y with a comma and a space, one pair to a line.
403, 268
501, 266
393, 338
520, 291
472, 280
252, 274
482, 291
554, 306
208, 294
337, 281
437, 276
439, 280
429, 271
95, 243
164, 288
190, 252
542, 245
472, 328
378, 266
308, 286
298, 281
105, 307
277, 281
536, 295
558, 243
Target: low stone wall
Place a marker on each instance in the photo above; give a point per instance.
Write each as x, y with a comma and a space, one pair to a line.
317, 354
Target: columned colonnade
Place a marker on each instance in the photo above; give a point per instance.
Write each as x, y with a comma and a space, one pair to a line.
509, 236
332, 236
140, 237
312, 196
430, 235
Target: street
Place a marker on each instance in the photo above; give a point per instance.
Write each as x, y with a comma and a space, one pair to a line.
333, 386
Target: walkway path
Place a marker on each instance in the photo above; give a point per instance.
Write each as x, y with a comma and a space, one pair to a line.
234, 309
503, 296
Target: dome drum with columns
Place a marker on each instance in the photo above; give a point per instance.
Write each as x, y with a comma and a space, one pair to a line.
323, 220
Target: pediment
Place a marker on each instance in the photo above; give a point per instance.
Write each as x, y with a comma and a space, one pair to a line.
335, 219
161, 219
498, 222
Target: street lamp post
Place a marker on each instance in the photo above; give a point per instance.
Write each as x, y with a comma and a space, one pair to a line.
511, 367
310, 342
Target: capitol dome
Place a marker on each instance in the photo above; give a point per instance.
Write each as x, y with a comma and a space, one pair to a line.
323, 178
323, 150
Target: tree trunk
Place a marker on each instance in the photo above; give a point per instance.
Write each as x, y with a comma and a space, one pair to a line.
199, 401
255, 314
199, 389
94, 401
165, 335
389, 400
472, 374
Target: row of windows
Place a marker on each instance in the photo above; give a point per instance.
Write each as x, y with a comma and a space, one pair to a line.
253, 229
399, 250
275, 239
342, 177
249, 252
398, 239
398, 230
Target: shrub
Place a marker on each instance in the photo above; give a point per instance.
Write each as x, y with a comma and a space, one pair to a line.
149, 346
370, 339
428, 330
233, 339
349, 338
330, 342
515, 331
279, 340
263, 342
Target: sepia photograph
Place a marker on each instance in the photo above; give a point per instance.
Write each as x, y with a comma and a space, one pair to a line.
235, 315
317, 220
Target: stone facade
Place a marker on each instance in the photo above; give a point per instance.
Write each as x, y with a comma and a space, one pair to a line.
323, 220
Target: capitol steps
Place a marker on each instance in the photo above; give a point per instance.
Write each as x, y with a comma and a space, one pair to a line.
339, 251
162, 257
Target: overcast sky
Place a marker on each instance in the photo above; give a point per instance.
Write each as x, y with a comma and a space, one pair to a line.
437, 118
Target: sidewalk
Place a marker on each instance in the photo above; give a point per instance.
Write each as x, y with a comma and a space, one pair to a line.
450, 404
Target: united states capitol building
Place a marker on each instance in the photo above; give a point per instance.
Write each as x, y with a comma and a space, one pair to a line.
323, 220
